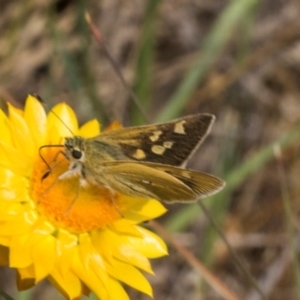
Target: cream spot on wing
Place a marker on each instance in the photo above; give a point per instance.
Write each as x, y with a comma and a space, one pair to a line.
139, 154
157, 149
146, 181
168, 144
179, 127
155, 136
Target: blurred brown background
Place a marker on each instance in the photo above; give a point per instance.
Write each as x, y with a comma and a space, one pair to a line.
246, 60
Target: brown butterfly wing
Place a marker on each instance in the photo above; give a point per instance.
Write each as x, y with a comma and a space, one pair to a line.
166, 183
170, 143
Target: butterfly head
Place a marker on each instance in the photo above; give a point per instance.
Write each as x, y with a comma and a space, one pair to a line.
74, 148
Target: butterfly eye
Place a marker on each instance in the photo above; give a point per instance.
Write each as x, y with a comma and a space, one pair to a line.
76, 154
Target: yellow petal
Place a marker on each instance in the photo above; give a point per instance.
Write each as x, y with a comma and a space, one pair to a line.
152, 209
43, 255
104, 242
68, 284
65, 246
16, 110
117, 291
124, 227
90, 129
5, 131
11, 185
35, 117
54, 136
130, 275
9, 194
4, 241
34, 247
150, 245
85, 249
62, 117
8, 179
62, 277
43, 227
94, 264
129, 255
20, 252
140, 210
20, 133
65, 240
90, 279
113, 245
14, 160
21, 224
9, 211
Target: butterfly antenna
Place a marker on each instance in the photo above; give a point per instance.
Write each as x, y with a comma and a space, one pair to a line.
41, 100
99, 38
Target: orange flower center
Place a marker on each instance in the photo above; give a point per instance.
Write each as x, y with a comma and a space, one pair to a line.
67, 204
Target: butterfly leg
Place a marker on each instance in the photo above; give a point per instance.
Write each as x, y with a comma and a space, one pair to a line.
72, 203
51, 169
75, 169
47, 189
112, 197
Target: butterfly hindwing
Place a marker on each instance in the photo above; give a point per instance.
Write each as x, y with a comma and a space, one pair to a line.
166, 183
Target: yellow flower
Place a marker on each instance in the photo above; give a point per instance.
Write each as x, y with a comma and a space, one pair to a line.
91, 245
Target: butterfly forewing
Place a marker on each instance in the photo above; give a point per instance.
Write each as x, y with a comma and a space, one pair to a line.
170, 143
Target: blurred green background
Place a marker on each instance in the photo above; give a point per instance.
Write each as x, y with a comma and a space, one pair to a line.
239, 60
